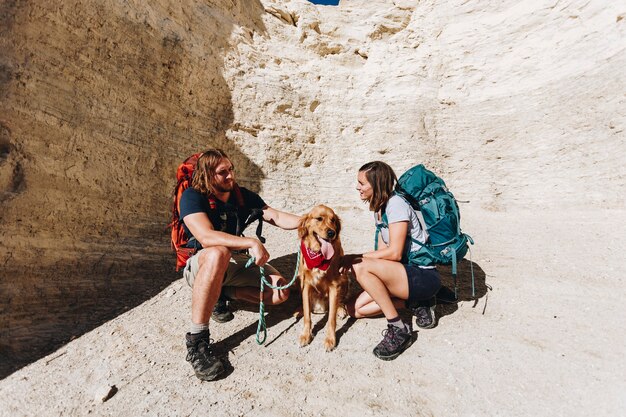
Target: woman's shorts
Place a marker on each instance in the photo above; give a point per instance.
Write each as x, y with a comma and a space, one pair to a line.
237, 275
423, 283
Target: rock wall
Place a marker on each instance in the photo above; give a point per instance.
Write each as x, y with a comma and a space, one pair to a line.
518, 106
99, 100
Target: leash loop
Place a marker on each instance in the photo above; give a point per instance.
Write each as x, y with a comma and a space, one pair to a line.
262, 327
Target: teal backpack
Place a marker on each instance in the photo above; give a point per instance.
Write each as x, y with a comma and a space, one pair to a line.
446, 245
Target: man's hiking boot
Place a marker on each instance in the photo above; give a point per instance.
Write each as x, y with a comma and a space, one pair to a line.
424, 312
395, 341
221, 312
206, 366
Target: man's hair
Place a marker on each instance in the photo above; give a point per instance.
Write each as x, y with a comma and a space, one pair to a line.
204, 175
382, 179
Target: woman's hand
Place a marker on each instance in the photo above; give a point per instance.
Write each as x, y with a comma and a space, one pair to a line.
348, 260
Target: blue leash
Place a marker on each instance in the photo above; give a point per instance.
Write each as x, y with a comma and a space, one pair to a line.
262, 326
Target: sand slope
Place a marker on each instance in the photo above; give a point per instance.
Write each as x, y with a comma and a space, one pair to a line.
546, 340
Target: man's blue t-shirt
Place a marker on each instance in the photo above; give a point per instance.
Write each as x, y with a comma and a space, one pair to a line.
224, 215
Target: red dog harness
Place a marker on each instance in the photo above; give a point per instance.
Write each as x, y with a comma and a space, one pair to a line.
314, 259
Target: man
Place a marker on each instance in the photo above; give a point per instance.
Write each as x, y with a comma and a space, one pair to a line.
208, 210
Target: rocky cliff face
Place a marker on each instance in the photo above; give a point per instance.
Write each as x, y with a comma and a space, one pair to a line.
99, 102
518, 106
514, 105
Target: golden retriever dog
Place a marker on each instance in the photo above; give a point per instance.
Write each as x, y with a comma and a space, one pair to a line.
320, 280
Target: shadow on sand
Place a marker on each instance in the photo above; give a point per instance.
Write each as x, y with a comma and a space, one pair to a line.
289, 310
447, 304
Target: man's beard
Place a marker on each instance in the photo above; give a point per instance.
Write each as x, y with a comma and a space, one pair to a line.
224, 189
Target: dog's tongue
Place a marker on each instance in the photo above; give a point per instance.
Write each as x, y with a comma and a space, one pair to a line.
327, 249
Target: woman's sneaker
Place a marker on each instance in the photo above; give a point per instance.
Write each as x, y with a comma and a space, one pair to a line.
395, 341
206, 366
424, 312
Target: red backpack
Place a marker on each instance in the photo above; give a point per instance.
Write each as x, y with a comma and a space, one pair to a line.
184, 174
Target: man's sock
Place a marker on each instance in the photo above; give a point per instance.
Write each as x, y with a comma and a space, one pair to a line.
398, 323
198, 328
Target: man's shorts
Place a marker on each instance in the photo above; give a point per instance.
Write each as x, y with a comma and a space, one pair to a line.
237, 275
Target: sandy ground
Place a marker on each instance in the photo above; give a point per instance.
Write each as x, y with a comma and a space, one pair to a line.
517, 104
547, 339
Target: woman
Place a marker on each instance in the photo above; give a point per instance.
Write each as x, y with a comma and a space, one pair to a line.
389, 282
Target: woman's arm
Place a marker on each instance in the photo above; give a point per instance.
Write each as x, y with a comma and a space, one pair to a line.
397, 238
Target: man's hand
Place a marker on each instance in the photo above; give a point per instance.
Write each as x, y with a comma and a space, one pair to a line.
348, 260
258, 252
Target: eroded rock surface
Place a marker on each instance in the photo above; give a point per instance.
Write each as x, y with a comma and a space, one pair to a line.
519, 106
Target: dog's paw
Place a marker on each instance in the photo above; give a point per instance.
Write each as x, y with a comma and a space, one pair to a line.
342, 312
329, 343
305, 338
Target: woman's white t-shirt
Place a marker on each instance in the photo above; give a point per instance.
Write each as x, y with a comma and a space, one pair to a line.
399, 210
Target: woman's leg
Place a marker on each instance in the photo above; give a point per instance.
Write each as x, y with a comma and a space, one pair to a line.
365, 306
423, 284
241, 283
385, 281
270, 295
382, 280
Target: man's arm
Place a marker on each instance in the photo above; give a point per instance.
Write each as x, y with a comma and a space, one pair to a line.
281, 219
202, 229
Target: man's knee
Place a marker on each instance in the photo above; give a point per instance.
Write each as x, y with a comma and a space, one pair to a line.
214, 255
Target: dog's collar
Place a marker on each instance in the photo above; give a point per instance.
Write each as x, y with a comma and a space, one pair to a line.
314, 259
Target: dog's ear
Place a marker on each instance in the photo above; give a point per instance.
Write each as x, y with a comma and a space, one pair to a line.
337, 225
303, 230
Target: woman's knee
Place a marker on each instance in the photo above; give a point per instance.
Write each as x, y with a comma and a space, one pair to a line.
357, 312
282, 296
356, 306
353, 311
279, 296
361, 270
274, 297
350, 309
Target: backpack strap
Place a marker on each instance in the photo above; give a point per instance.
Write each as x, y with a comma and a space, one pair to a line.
245, 221
238, 195
415, 206
407, 197
255, 214
259, 227
383, 224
